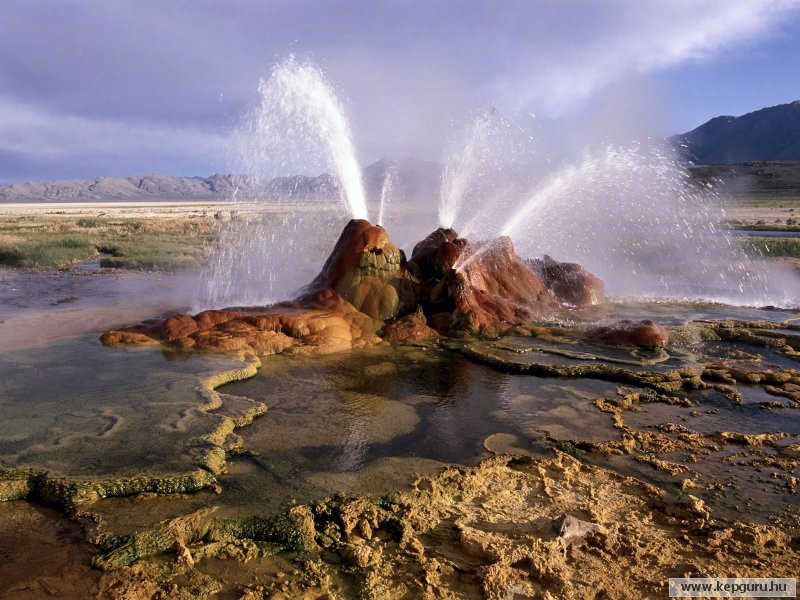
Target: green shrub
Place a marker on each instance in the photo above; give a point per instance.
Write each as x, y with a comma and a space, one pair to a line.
111, 249
10, 254
773, 247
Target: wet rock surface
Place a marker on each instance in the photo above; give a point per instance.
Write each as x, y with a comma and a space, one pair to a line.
627, 457
646, 333
482, 532
43, 555
696, 455
411, 327
449, 287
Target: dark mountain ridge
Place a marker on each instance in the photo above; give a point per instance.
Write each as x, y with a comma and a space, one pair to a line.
768, 134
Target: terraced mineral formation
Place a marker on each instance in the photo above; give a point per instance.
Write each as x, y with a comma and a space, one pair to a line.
367, 289
560, 527
510, 527
367, 270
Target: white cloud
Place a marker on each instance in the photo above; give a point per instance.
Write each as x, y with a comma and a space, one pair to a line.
567, 65
123, 86
34, 132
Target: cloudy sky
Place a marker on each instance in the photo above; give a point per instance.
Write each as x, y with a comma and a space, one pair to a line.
95, 87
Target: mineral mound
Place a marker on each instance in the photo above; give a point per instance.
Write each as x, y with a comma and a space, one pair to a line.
369, 271
368, 290
645, 333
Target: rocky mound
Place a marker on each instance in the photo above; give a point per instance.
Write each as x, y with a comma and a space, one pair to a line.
476, 290
322, 324
645, 333
569, 283
367, 270
367, 288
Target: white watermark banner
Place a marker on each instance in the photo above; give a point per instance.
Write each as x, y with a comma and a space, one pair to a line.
733, 587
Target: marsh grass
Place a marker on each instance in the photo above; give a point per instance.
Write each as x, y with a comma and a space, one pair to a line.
52, 251
783, 247
161, 244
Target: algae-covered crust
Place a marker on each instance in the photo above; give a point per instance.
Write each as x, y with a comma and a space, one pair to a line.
588, 521
510, 527
211, 451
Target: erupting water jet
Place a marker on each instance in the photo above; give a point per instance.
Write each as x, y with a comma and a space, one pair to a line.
297, 102
386, 194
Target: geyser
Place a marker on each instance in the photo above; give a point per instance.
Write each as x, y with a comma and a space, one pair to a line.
299, 121
298, 126
631, 216
628, 214
367, 289
475, 182
386, 193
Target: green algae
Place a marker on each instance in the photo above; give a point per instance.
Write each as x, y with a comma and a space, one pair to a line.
283, 532
41, 487
210, 450
329, 525
503, 360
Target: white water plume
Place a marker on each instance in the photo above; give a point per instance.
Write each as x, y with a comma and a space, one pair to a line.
631, 216
300, 125
267, 256
286, 223
387, 187
469, 159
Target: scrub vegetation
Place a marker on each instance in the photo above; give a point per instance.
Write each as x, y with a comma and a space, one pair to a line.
154, 244
784, 247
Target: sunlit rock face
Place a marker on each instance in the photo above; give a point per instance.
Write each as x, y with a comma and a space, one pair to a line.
476, 290
369, 271
367, 291
569, 283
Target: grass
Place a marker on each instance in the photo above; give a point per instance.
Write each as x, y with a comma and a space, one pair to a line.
158, 244
783, 247
52, 251
790, 224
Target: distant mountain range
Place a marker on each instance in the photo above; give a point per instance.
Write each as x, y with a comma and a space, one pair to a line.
769, 134
411, 177
166, 187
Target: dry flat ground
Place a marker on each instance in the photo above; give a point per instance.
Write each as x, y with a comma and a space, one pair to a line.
765, 212
145, 210
763, 194
173, 235
160, 236
768, 213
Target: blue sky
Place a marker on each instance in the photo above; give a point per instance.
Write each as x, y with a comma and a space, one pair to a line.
759, 74
92, 87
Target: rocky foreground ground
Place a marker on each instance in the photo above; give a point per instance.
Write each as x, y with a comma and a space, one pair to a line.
512, 527
515, 526
686, 413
